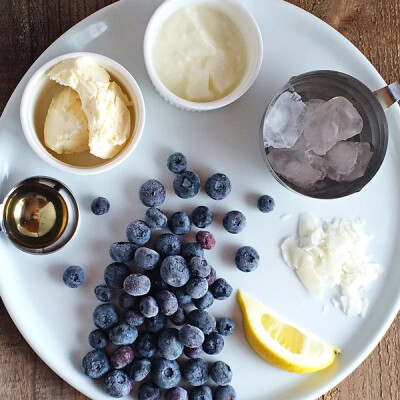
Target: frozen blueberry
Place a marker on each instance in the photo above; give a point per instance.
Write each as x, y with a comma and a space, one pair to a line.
197, 287
146, 344
167, 244
202, 319
205, 239
191, 336
221, 373
117, 384
146, 258
195, 371
155, 218
122, 251
167, 302
95, 364
225, 326
137, 284
192, 352
221, 289
123, 334
177, 163
103, 293
148, 306
152, 193
202, 216
121, 357
265, 203
213, 343
115, 274
139, 368
169, 344
247, 259
98, 339
200, 393
156, 324
166, 373
186, 184
224, 393
157, 283
127, 301
212, 276
149, 391
175, 271
190, 250
234, 221
100, 206
176, 393
105, 316
181, 295
74, 276
204, 302
218, 186
199, 267
133, 317
178, 318
180, 223
138, 232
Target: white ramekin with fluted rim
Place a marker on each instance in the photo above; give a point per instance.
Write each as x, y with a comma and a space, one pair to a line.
242, 18
35, 102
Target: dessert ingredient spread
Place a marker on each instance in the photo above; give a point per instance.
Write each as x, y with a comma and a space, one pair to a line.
281, 343
66, 126
103, 103
332, 254
200, 54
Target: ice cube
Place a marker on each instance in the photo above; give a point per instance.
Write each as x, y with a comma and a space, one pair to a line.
331, 122
348, 160
312, 104
283, 123
300, 167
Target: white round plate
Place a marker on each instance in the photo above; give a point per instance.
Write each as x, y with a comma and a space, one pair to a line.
56, 320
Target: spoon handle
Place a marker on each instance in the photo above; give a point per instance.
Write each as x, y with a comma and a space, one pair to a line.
388, 95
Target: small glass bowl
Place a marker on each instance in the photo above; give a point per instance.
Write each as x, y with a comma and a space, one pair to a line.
325, 85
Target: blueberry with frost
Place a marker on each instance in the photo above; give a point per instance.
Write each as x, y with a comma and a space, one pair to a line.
169, 345
166, 373
103, 293
167, 302
122, 251
148, 306
167, 244
123, 334
146, 258
121, 357
205, 239
176, 393
115, 274
197, 287
139, 368
100, 206
247, 259
200, 393
186, 184
204, 302
175, 271
213, 343
234, 221
133, 318
98, 339
191, 249
177, 163
221, 289
226, 392
221, 373
225, 326
105, 316
202, 319
199, 267
265, 203
117, 384
202, 216
95, 364
218, 186
191, 336
180, 223
152, 193
195, 352
155, 218
149, 391
195, 371
146, 344
137, 284
74, 276
138, 232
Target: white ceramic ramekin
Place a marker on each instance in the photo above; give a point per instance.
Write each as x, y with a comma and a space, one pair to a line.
36, 100
243, 19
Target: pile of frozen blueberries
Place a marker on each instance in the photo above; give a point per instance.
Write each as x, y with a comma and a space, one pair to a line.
154, 339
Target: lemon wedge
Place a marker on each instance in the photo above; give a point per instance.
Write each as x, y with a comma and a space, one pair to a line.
281, 344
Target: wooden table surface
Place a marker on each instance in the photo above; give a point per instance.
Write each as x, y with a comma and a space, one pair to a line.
28, 27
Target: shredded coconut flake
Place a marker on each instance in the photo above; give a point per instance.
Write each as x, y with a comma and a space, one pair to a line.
333, 254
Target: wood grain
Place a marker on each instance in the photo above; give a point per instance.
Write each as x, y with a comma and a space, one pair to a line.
28, 27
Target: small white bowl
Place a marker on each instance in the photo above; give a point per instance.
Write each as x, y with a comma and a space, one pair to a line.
35, 102
242, 18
